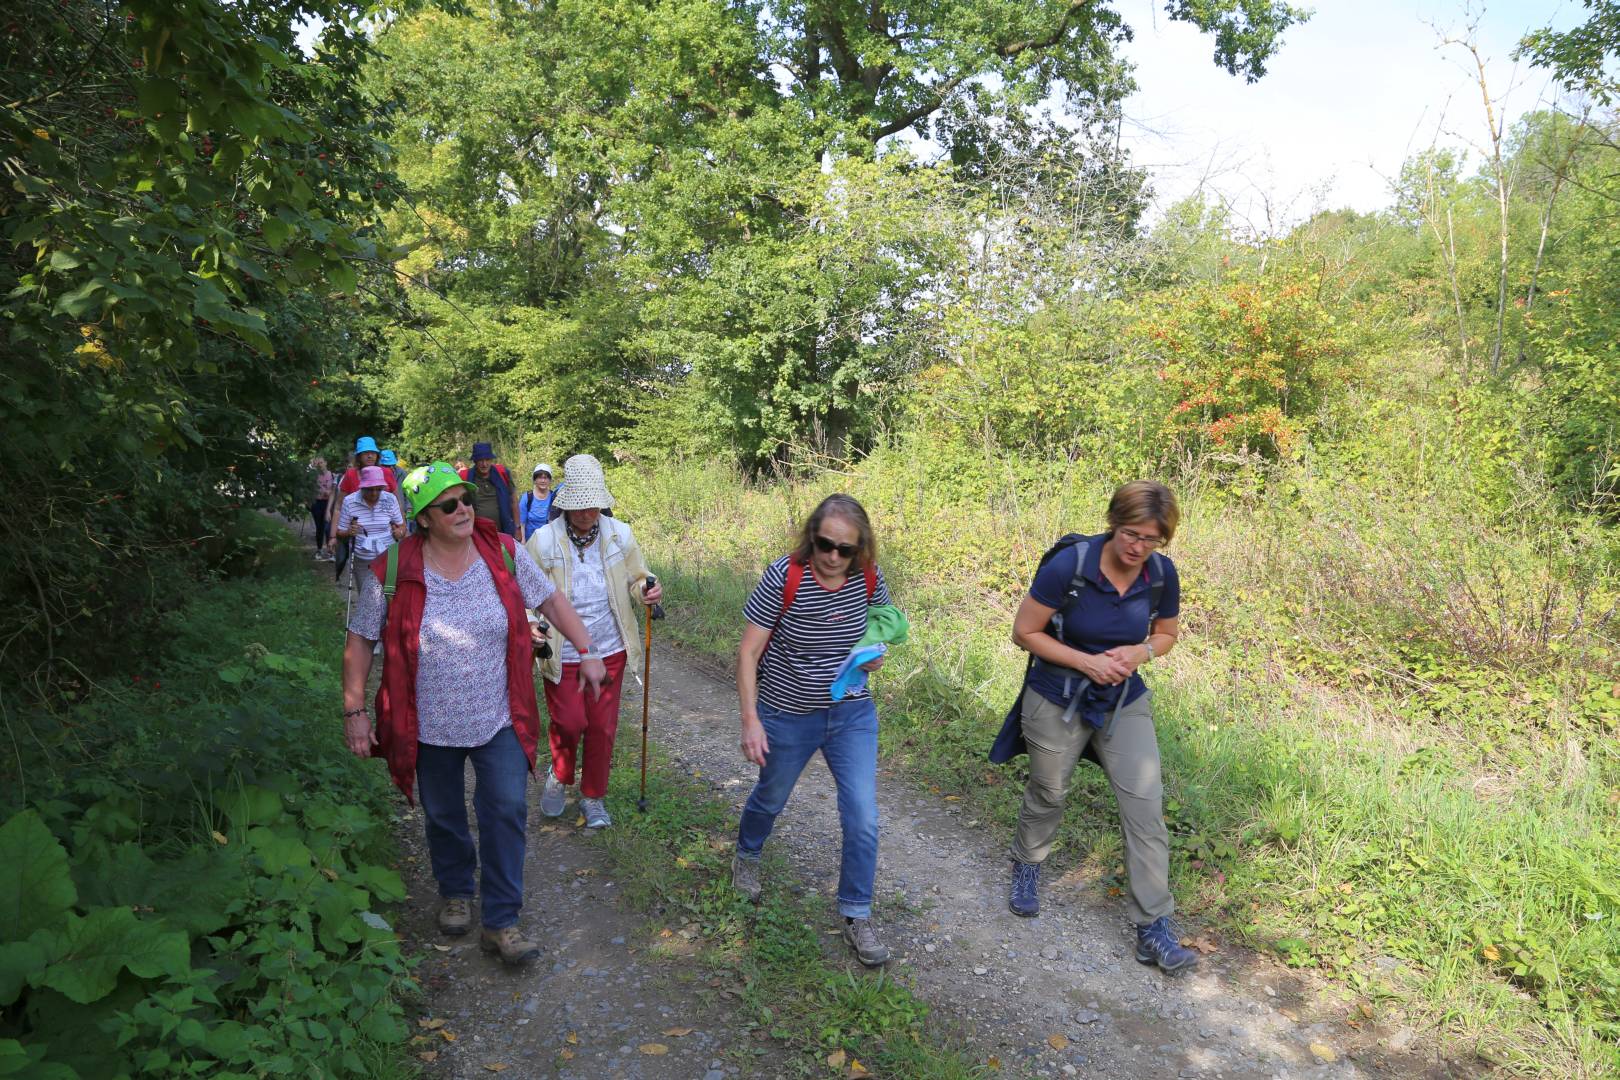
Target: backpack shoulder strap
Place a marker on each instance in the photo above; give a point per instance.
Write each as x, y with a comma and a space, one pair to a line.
1076, 583
508, 544
790, 585
870, 572
1155, 586
392, 576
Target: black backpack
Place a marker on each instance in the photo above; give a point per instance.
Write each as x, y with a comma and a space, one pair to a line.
1010, 739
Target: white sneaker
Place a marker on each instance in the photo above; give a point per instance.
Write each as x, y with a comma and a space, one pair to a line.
596, 815
554, 797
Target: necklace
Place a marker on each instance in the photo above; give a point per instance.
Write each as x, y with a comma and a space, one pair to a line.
581, 541
441, 569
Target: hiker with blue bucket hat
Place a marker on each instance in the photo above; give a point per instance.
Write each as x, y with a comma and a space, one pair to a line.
1099, 608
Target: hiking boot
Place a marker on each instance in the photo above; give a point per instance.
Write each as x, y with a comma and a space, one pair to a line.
1022, 899
596, 815
745, 877
1158, 943
554, 797
455, 916
864, 940
512, 946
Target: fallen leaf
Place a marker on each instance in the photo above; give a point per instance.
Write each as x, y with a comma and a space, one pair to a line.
1057, 1041
429, 1056
448, 1036
857, 1069
953, 798
329, 873
219, 837
441, 948
582, 871
433, 1024
566, 1054
572, 1039
681, 862
580, 821
994, 1062
836, 1059
496, 1066
666, 932
1345, 888
654, 1049
677, 1033
1490, 953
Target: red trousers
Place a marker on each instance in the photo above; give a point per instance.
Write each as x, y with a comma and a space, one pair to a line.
574, 713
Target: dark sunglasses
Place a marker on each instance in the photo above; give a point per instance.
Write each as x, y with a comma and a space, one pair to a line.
827, 547
448, 506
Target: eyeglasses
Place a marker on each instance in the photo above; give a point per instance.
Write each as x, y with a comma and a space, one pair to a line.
827, 547
1131, 536
448, 506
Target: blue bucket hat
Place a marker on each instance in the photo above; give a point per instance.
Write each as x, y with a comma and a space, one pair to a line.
482, 450
388, 458
365, 444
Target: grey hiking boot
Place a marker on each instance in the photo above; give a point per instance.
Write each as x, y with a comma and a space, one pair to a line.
745, 877
512, 946
455, 916
862, 937
596, 815
554, 797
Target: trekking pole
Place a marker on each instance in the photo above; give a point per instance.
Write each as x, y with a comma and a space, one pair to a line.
654, 612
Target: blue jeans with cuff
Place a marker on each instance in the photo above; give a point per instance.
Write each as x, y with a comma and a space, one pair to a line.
501, 804
846, 735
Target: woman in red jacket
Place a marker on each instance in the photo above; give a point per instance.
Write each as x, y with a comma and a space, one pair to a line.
458, 684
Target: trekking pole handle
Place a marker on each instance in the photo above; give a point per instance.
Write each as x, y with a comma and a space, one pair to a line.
657, 611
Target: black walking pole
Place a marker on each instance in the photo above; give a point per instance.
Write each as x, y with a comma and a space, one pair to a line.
655, 612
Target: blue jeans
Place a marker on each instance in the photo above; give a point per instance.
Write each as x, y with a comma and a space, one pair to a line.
500, 801
846, 735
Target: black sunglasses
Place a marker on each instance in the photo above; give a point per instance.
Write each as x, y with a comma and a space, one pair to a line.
448, 506
827, 547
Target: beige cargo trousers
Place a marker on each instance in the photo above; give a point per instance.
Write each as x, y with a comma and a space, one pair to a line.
1130, 758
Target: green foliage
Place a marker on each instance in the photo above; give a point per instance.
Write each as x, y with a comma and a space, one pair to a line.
187, 187
195, 888
1248, 363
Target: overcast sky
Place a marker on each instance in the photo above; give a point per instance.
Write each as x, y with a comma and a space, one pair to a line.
1350, 95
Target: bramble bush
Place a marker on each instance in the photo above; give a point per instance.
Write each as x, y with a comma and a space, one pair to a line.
197, 888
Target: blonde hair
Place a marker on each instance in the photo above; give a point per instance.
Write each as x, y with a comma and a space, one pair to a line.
842, 506
1145, 500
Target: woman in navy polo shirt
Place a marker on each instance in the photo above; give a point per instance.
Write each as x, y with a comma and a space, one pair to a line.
1090, 622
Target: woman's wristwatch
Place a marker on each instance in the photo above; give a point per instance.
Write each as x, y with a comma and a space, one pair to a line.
1149, 643
584, 651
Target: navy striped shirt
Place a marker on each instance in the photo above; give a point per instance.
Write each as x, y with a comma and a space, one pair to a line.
811, 641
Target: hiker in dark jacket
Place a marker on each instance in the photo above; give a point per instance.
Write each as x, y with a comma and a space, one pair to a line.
495, 496
1084, 688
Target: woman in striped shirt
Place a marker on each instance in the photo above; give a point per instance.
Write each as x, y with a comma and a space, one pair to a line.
804, 616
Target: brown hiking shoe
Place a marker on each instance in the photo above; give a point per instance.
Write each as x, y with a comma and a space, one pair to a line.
512, 945
455, 917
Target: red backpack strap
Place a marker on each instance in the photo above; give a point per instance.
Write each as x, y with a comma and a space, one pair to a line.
871, 581
790, 586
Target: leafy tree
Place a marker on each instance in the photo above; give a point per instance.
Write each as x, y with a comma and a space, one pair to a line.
1582, 58
185, 184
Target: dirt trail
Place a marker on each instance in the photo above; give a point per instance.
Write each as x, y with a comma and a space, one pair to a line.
1059, 995
1056, 995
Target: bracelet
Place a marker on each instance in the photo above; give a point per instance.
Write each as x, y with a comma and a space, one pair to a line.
361, 711
584, 652
1149, 644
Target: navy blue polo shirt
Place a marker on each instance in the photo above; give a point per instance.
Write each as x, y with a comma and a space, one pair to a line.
1098, 619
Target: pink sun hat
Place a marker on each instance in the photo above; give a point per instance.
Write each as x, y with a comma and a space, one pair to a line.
372, 476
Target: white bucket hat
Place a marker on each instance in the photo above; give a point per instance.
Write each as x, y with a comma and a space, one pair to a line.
543, 468
584, 486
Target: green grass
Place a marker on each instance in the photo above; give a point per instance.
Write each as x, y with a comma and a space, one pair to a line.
674, 862
1366, 756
